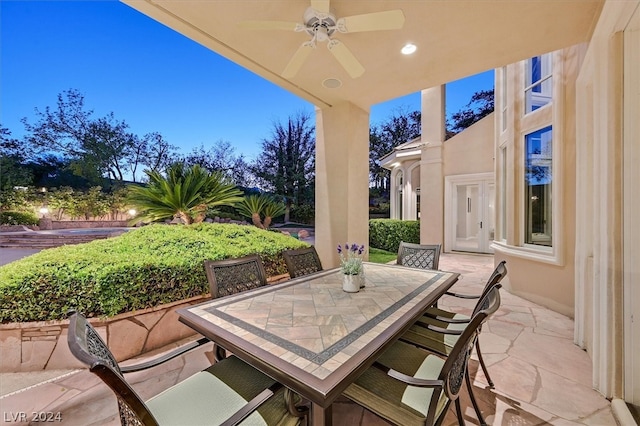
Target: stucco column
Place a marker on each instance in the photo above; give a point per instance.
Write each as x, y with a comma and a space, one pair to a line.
431, 173
342, 179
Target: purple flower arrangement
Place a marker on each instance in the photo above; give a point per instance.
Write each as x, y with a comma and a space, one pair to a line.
351, 258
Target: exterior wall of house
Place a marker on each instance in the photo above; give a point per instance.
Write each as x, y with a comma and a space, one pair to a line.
541, 273
607, 249
470, 151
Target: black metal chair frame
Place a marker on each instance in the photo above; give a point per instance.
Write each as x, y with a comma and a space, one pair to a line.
88, 347
489, 302
407, 253
247, 273
450, 378
302, 261
494, 281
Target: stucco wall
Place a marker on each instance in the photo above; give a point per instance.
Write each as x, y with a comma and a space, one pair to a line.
607, 251
472, 150
544, 276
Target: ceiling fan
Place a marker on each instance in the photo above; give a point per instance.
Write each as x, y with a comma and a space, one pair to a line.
321, 25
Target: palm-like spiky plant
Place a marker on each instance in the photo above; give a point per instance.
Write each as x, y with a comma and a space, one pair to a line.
258, 206
184, 193
272, 208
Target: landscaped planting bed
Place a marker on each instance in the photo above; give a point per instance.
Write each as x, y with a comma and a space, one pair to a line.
140, 269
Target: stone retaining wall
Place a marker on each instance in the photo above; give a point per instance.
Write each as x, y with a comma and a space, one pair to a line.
48, 224
42, 345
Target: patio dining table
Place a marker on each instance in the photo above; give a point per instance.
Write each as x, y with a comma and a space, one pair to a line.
313, 337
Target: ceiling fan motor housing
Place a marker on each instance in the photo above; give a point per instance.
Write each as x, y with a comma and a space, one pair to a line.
319, 25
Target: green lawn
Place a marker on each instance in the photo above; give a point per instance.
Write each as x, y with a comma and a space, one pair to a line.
381, 256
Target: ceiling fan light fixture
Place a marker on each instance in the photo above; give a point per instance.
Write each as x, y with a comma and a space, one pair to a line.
409, 49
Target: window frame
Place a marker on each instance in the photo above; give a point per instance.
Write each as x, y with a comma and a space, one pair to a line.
546, 61
525, 199
513, 139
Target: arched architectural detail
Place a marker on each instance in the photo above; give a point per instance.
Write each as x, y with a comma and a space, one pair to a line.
412, 188
396, 192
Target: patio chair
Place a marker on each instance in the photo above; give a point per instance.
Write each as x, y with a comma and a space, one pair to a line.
302, 262
231, 276
410, 386
420, 256
438, 330
226, 393
453, 321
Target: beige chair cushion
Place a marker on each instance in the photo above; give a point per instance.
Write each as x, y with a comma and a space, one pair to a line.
213, 395
438, 342
392, 399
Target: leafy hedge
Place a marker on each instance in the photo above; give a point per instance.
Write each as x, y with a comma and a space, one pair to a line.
386, 234
142, 268
18, 218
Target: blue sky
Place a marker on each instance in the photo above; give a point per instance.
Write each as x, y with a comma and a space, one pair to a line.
150, 76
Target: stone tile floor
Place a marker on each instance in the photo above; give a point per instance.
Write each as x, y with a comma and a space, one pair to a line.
541, 377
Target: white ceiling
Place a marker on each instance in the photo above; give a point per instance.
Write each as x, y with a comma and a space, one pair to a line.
455, 39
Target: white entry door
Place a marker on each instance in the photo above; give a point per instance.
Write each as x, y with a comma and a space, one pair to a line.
469, 219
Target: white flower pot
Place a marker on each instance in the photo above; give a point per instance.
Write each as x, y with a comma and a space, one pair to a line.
352, 283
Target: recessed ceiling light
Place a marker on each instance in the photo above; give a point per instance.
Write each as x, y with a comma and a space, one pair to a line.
408, 49
332, 83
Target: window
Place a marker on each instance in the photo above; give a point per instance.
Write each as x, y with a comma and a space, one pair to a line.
503, 193
503, 99
538, 180
399, 191
538, 83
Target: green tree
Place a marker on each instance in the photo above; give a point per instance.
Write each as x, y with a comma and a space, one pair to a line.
152, 152
63, 201
480, 105
13, 172
401, 127
221, 157
94, 148
108, 147
286, 163
185, 193
92, 203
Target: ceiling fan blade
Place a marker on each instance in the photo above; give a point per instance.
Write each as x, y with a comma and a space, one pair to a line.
320, 5
346, 58
268, 25
388, 20
295, 63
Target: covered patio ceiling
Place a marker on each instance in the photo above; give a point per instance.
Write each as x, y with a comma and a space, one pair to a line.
454, 39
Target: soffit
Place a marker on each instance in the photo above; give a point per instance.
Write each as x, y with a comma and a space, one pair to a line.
455, 39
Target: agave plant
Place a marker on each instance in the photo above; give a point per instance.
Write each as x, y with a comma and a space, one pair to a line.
260, 206
184, 193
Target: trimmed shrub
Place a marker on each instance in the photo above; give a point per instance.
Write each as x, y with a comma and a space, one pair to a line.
142, 268
386, 234
303, 213
18, 218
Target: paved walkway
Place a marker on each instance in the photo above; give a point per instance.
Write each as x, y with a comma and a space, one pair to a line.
8, 255
541, 377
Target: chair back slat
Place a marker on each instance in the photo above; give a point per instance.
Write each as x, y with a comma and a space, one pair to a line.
302, 262
231, 276
494, 281
420, 256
